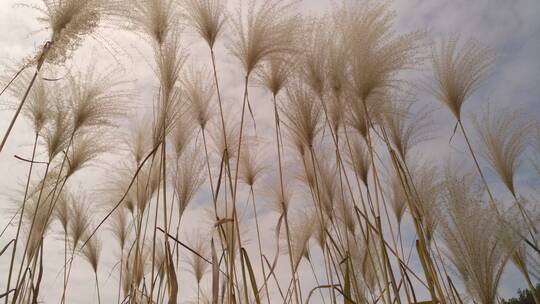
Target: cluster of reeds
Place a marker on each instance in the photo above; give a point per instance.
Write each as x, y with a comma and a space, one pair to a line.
329, 185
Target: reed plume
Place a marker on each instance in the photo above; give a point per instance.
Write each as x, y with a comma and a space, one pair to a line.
84, 151
62, 211
41, 99
398, 201
206, 17
199, 90
504, 134
71, 21
520, 254
57, 133
120, 227
359, 159
266, 30
275, 73
313, 66
198, 267
189, 177
302, 228
279, 199
91, 253
327, 187
302, 114
226, 140
404, 129
471, 236
96, 98
136, 138
377, 53
251, 167
181, 135
36, 223
80, 218
154, 18
427, 183
458, 70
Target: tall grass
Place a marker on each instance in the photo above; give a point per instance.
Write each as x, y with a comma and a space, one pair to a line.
319, 151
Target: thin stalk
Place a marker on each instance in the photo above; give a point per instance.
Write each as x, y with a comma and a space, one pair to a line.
235, 222
30, 233
154, 236
226, 157
477, 164
259, 241
319, 207
41, 59
19, 225
97, 287
68, 275
120, 279
285, 218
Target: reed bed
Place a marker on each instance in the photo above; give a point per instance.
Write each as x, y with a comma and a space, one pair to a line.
272, 157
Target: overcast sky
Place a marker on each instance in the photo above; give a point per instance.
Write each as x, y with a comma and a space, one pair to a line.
512, 28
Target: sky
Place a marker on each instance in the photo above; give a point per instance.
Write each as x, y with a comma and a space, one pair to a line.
511, 28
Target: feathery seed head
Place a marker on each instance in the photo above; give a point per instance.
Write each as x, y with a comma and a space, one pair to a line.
404, 128
200, 89
40, 99
58, 131
120, 227
154, 18
250, 167
471, 233
207, 17
199, 243
70, 21
80, 218
302, 114
275, 73
265, 29
359, 158
503, 133
377, 53
314, 59
227, 141
302, 228
459, 71
279, 200
398, 201
189, 177
92, 251
181, 135
62, 211
84, 150
96, 98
